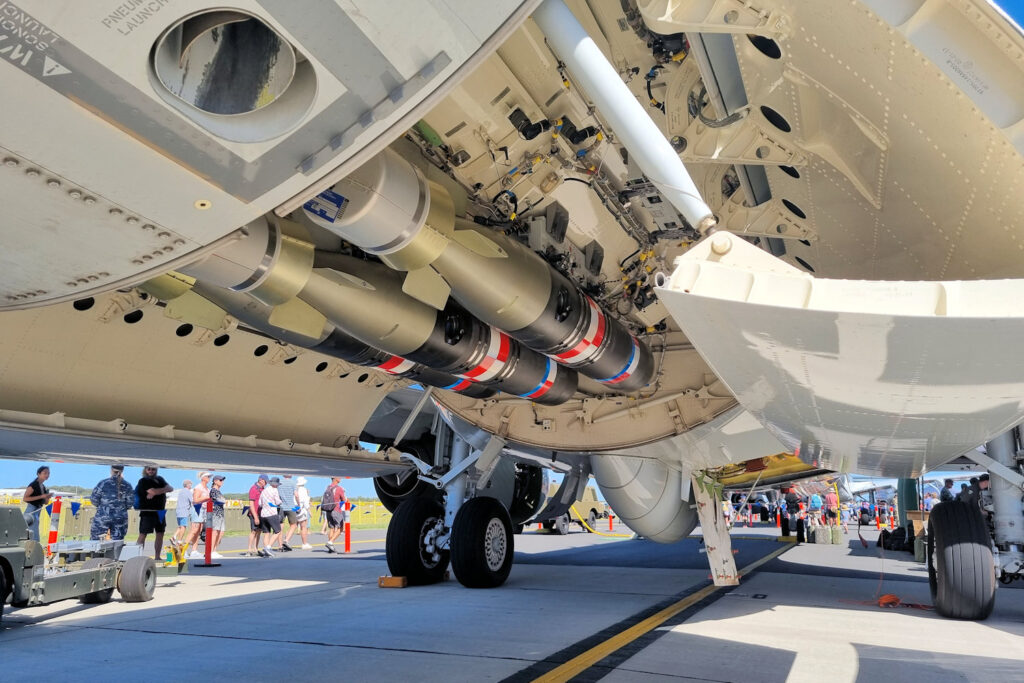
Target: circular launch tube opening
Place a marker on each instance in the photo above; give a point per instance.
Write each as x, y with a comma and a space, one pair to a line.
224, 62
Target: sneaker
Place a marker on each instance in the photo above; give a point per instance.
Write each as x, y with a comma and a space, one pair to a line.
216, 556
330, 547
285, 547
267, 552
195, 555
306, 546
262, 553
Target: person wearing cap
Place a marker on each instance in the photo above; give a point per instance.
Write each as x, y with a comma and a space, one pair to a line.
270, 504
112, 497
253, 510
217, 522
288, 512
181, 508
151, 492
303, 502
197, 513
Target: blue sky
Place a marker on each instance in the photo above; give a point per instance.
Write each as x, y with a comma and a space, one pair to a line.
18, 474
1015, 8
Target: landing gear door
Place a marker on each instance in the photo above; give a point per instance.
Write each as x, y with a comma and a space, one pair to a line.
885, 378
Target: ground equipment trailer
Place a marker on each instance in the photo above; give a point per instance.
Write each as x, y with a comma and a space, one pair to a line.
87, 570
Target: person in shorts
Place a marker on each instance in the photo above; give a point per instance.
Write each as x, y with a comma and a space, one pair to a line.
151, 492
181, 508
253, 512
270, 504
197, 513
333, 504
288, 512
303, 502
217, 522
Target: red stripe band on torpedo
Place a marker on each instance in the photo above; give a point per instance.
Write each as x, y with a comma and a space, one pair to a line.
587, 346
396, 365
497, 354
460, 385
545, 384
627, 372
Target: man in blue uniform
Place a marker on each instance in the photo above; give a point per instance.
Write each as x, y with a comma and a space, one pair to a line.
112, 498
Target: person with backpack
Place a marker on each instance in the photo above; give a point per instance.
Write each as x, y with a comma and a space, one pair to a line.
814, 508
333, 505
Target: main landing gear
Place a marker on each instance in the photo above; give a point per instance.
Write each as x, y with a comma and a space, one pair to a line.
979, 538
451, 521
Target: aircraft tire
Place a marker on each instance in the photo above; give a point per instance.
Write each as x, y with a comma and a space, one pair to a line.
562, 525
482, 543
591, 522
137, 580
101, 596
404, 547
4, 589
961, 568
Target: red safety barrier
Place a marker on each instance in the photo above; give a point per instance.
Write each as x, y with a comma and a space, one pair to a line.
611, 522
778, 520
878, 520
348, 528
54, 525
750, 515
540, 525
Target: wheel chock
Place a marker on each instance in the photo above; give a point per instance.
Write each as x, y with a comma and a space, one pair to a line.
392, 582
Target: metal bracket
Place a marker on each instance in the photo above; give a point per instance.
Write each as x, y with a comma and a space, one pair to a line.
768, 219
719, 16
996, 468
743, 142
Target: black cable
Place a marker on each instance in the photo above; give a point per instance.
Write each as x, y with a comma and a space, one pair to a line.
579, 180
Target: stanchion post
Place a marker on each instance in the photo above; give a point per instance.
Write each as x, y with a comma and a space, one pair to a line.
54, 525
611, 522
209, 537
348, 527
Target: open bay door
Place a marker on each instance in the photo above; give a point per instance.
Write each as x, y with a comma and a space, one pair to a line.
883, 378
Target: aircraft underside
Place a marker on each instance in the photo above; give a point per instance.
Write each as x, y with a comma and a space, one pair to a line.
644, 240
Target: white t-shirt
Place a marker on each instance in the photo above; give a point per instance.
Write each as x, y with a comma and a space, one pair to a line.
270, 501
302, 497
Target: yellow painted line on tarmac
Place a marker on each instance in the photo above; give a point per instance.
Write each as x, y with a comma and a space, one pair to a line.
581, 663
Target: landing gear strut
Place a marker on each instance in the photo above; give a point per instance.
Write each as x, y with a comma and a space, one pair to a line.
447, 521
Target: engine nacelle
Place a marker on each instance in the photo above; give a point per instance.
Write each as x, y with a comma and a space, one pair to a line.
651, 498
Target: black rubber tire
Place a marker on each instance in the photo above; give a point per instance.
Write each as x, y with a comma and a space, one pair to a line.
518, 529
591, 521
549, 524
482, 530
4, 589
561, 525
392, 495
101, 596
961, 568
404, 545
137, 580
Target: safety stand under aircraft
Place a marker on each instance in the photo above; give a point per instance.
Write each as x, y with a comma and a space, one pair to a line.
717, 541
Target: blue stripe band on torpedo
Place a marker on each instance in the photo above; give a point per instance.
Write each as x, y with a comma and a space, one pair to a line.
547, 374
625, 372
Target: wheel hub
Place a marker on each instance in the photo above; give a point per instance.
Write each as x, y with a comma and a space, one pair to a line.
495, 544
429, 552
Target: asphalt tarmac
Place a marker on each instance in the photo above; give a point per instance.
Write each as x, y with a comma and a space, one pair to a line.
577, 607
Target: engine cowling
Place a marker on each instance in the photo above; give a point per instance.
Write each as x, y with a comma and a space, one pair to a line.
651, 498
